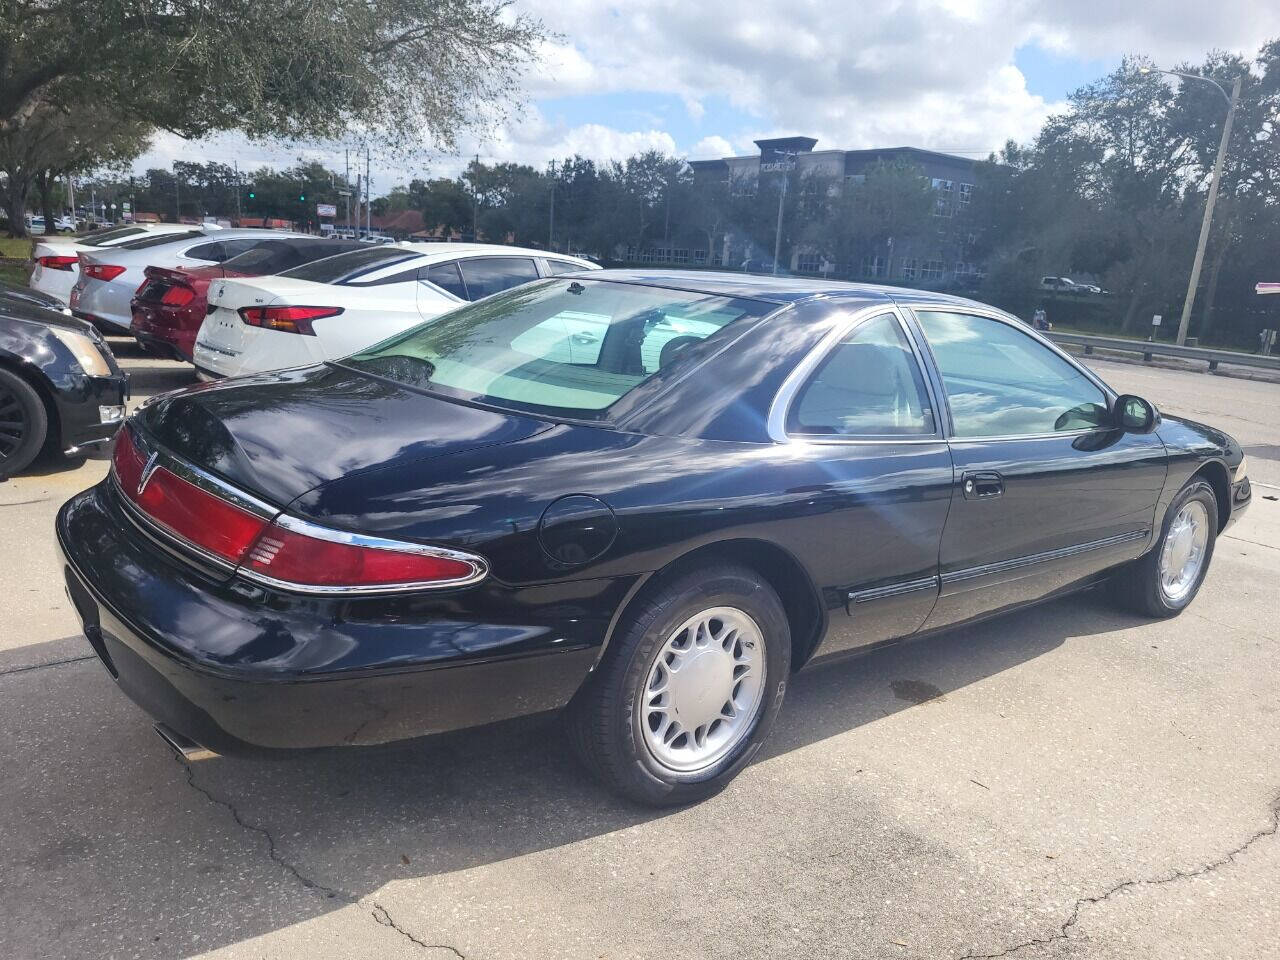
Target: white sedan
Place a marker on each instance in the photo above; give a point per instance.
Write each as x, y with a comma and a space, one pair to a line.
58, 258
109, 278
336, 306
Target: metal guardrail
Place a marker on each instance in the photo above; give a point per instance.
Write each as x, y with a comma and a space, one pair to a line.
1150, 349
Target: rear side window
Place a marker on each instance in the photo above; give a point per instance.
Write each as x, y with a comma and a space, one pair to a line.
558, 267
868, 386
486, 275
446, 277
213, 252
346, 268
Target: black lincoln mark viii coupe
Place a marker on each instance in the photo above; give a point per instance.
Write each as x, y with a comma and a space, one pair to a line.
647, 497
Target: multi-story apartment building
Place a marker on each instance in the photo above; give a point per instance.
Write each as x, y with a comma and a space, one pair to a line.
938, 257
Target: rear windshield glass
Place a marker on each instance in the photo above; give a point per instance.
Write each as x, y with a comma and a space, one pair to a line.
563, 347
160, 239
272, 256
346, 267
99, 239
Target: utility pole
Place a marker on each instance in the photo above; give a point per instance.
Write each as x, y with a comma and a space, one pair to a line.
368, 193
475, 206
236, 164
551, 224
346, 182
177, 197
782, 195
1194, 282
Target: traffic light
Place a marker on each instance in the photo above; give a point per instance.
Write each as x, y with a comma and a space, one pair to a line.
302, 196
252, 194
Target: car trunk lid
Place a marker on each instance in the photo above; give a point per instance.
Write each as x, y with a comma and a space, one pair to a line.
279, 435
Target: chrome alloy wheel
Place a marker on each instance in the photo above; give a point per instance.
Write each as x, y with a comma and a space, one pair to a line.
1184, 551
704, 690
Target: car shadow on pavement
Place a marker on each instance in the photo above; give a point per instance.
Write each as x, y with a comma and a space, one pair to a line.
120, 849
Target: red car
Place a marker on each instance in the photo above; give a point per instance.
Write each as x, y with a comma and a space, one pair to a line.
171, 303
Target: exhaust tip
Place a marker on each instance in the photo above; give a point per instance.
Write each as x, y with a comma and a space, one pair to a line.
187, 749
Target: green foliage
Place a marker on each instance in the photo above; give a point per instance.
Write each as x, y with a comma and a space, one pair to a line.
415, 72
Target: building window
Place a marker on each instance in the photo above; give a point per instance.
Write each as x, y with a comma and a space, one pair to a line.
700, 257
931, 270
680, 256
873, 266
942, 206
909, 269
966, 194
809, 263
943, 186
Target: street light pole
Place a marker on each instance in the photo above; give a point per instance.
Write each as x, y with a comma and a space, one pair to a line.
782, 195
1194, 282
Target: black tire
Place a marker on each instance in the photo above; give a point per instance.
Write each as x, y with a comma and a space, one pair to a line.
24, 423
604, 722
1138, 587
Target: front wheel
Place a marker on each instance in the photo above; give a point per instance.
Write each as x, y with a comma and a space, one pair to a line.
23, 423
1164, 581
688, 689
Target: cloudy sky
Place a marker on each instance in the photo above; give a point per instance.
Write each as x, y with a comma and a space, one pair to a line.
704, 78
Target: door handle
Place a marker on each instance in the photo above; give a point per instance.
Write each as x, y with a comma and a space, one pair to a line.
982, 486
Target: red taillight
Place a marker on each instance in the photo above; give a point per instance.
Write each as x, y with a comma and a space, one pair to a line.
194, 514
57, 263
178, 296
102, 271
330, 560
288, 552
287, 319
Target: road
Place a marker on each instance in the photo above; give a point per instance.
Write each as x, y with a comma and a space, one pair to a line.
1068, 781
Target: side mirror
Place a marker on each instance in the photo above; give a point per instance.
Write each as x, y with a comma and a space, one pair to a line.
1132, 414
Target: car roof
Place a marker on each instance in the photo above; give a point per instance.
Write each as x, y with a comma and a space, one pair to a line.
774, 289
451, 250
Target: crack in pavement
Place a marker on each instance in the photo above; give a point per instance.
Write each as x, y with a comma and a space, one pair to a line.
51, 663
379, 913
1064, 932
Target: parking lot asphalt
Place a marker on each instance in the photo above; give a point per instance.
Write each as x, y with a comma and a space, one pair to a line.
1065, 781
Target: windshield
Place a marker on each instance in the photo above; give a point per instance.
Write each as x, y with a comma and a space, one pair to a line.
570, 347
101, 239
346, 267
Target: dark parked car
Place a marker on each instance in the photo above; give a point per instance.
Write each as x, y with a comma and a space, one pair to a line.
649, 497
171, 304
59, 383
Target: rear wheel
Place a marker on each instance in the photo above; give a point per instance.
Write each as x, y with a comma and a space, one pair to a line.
1164, 581
688, 689
23, 423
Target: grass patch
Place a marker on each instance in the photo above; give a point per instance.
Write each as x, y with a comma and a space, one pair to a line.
19, 247
14, 274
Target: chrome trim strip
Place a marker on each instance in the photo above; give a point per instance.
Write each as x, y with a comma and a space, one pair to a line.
1003, 566
800, 373
893, 590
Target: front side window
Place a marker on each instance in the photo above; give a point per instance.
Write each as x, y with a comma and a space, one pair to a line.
489, 275
869, 385
1001, 382
570, 347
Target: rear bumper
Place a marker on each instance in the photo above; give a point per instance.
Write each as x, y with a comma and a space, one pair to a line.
104, 304
242, 672
166, 335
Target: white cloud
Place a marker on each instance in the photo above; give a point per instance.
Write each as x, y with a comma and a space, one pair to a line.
931, 73
711, 148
